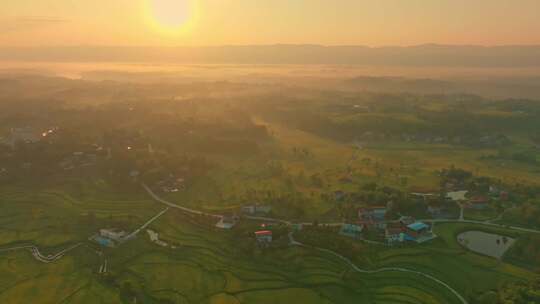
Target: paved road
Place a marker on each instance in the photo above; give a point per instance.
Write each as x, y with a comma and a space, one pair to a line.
268, 219
134, 233
354, 267
485, 223
172, 205
39, 256
296, 243
385, 269
286, 222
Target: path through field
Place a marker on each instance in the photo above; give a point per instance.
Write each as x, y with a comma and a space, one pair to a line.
296, 243
39, 256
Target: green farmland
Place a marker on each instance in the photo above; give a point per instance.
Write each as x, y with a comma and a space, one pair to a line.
210, 266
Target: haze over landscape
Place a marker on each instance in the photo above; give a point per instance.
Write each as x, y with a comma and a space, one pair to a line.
284, 151
244, 22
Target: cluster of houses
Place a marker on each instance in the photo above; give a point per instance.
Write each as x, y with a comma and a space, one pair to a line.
229, 221
438, 208
172, 184
262, 237
27, 135
407, 229
478, 201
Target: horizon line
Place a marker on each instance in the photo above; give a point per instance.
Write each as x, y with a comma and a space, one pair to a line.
270, 45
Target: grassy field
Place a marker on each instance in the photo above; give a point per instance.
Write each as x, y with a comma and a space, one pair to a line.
480, 215
207, 268
468, 272
281, 170
211, 266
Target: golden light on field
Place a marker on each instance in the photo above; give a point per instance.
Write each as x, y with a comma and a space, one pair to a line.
171, 16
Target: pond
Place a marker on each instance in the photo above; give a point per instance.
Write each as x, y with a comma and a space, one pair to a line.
489, 244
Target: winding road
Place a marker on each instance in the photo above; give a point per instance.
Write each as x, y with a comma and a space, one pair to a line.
172, 205
296, 243
293, 242
385, 269
39, 256
134, 233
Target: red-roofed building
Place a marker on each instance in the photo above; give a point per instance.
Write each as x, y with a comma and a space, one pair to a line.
264, 236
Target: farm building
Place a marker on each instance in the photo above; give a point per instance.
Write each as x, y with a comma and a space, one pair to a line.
351, 230
394, 233
104, 241
373, 217
113, 234
256, 209
419, 232
264, 236
418, 229
457, 195
227, 222
406, 220
375, 213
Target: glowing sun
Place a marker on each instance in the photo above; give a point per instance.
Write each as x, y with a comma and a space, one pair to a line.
171, 14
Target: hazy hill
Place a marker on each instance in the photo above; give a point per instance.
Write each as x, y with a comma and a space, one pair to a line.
422, 55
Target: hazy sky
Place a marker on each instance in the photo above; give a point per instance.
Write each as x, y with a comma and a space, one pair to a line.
219, 22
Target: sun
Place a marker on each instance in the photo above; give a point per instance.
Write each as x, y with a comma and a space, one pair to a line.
171, 15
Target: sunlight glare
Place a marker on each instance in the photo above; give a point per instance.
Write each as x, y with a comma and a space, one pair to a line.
171, 14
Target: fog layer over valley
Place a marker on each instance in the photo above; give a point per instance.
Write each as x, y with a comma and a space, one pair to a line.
236, 184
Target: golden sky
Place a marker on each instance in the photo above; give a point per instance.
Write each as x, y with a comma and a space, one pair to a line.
232, 22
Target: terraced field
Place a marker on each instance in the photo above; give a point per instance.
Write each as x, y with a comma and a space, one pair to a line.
212, 266
208, 269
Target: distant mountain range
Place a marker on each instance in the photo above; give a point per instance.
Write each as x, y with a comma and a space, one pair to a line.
422, 55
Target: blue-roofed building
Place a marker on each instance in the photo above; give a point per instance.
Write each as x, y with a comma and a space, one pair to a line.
104, 241
351, 230
419, 232
418, 226
409, 238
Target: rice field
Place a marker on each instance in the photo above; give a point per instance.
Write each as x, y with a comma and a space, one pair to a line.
212, 266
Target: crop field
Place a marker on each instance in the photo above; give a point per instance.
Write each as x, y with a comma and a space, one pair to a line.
207, 268
444, 258
209, 265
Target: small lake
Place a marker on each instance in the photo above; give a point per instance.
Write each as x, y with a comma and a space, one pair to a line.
489, 244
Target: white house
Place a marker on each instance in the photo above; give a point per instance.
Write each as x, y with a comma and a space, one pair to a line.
226, 222
457, 195
113, 234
